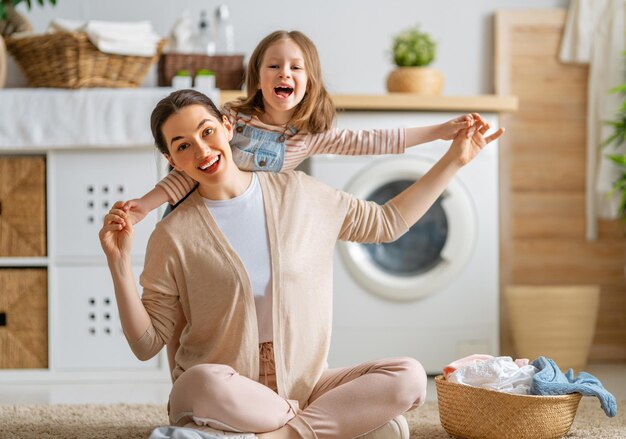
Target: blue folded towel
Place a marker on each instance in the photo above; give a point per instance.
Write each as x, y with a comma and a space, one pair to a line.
551, 381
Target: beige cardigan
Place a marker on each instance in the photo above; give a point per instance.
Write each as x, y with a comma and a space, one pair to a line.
188, 260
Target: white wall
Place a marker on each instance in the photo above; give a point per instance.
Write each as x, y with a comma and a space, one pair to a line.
353, 37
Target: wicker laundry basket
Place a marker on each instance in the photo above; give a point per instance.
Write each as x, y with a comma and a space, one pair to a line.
70, 60
478, 413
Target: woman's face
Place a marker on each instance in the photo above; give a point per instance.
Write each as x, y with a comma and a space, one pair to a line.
282, 76
198, 144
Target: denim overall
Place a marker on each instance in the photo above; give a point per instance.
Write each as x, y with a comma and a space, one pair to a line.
255, 149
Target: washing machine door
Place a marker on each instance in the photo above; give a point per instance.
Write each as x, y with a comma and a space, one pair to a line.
430, 254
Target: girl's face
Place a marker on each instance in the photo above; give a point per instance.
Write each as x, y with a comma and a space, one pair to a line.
283, 77
198, 144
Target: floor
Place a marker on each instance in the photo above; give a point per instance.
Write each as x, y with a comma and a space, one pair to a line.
613, 376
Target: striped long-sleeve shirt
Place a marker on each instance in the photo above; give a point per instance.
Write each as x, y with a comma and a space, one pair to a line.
301, 145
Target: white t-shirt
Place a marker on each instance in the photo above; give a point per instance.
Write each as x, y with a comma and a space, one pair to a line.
242, 221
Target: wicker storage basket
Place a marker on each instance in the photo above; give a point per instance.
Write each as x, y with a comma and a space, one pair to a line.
228, 68
70, 60
473, 413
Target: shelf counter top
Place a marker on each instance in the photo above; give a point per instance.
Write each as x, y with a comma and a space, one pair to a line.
412, 102
40, 119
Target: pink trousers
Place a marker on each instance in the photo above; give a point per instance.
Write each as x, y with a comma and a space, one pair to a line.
345, 403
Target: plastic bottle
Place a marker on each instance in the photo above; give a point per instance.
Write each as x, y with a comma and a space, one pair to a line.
182, 35
224, 31
204, 42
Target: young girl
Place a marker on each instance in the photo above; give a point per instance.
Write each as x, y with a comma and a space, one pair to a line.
287, 117
247, 260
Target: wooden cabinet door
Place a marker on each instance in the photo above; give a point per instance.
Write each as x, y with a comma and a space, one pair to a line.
23, 319
22, 206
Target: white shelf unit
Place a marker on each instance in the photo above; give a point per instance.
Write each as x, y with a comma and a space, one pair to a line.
85, 340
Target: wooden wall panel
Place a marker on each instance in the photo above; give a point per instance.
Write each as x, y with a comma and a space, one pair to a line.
542, 170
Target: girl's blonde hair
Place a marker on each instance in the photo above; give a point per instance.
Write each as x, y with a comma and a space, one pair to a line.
316, 112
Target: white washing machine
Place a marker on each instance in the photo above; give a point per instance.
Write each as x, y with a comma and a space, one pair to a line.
433, 294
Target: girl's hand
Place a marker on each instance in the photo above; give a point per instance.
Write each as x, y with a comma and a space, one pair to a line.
470, 141
448, 130
116, 235
136, 209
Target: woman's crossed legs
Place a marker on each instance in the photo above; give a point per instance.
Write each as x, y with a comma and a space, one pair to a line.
345, 403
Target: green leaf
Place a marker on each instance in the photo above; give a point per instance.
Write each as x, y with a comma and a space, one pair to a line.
412, 48
622, 206
619, 159
618, 89
619, 184
609, 139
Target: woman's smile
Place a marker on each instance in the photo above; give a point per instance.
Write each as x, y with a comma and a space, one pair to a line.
211, 164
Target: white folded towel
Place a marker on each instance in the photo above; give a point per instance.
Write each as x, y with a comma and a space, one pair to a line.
136, 38
120, 38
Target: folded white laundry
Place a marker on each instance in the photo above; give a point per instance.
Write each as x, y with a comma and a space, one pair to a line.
120, 38
498, 373
137, 38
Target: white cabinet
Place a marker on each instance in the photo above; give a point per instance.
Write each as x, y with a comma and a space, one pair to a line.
85, 338
88, 334
84, 186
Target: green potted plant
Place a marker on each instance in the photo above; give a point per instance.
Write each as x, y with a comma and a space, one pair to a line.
413, 51
618, 138
11, 22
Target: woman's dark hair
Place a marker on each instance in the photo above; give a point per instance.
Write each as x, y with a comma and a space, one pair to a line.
171, 105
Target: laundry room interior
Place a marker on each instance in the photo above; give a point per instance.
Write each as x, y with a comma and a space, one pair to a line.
523, 254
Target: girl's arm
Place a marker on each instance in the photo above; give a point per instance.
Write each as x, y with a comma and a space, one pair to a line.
444, 131
385, 141
413, 202
172, 189
116, 237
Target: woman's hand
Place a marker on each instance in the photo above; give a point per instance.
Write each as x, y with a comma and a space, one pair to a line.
470, 141
116, 235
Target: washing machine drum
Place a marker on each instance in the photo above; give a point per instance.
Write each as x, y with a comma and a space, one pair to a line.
429, 256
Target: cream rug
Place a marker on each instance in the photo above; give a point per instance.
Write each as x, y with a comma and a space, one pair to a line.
130, 421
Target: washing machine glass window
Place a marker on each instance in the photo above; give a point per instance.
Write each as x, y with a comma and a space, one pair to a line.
419, 250
431, 254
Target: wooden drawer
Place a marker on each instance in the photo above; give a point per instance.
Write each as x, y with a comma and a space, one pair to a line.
22, 206
23, 319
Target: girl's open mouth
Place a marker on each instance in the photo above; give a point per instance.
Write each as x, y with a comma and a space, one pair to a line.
283, 91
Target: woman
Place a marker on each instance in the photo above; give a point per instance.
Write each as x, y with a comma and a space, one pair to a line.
248, 259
